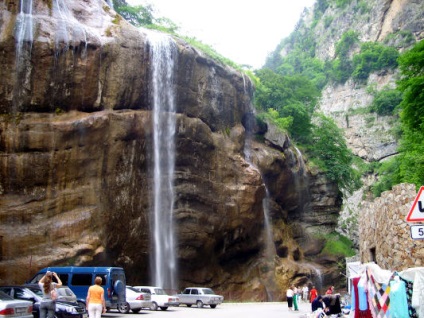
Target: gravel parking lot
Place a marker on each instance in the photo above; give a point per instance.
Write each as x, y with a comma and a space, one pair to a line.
226, 310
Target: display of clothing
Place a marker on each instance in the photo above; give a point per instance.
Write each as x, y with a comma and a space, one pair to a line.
398, 301
377, 293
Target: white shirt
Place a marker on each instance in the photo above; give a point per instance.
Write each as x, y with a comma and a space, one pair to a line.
289, 293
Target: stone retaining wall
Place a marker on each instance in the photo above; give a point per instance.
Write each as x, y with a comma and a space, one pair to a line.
384, 234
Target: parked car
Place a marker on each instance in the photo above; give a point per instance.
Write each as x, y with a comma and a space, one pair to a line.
33, 293
136, 301
200, 296
11, 308
160, 299
65, 294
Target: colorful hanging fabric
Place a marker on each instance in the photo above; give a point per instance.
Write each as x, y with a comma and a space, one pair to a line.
416, 275
409, 285
398, 301
378, 297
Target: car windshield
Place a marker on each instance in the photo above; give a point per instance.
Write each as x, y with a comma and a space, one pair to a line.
159, 291
133, 289
65, 291
208, 291
4, 296
36, 291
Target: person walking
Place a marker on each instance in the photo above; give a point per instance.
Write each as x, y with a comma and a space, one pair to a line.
96, 304
313, 294
48, 287
289, 296
305, 290
295, 298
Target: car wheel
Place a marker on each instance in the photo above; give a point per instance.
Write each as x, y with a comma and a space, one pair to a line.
199, 304
213, 306
154, 306
164, 308
136, 311
124, 308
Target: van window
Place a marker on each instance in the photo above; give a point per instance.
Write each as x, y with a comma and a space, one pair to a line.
104, 278
63, 278
81, 280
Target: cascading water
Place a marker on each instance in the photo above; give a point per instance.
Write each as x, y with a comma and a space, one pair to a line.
68, 28
24, 27
163, 54
269, 249
24, 35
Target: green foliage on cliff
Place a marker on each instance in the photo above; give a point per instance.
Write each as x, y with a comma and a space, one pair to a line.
373, 57
412, 115
293, 97
408, 166
289, 102
329, 151
338, 245
386, 101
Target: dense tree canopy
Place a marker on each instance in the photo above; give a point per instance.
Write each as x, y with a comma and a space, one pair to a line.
412, 115
293, 97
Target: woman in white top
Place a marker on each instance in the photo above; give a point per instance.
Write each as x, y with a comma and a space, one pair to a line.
48, 305
289, 296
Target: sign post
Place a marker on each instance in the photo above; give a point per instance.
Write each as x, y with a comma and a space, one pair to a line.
416, 213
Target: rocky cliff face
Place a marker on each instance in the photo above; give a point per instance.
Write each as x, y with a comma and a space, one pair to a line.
398, 23
76, 156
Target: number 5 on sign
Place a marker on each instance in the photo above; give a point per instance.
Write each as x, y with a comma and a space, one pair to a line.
417, 232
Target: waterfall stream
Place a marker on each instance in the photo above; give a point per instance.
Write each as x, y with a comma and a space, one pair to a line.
269, 251
163, 262
24, 30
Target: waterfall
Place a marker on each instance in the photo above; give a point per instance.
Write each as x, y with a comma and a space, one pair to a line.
68, 28
317, 279
163, 55
24, 27
269, 249
269, 242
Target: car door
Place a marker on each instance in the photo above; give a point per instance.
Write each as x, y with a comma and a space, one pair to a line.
194, 295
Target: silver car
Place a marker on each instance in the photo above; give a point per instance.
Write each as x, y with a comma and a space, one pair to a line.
160, 299
12, 308
136, 301
200, 296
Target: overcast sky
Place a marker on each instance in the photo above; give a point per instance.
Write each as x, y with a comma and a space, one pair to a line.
245, 31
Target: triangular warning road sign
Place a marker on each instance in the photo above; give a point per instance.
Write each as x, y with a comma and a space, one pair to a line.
416, 213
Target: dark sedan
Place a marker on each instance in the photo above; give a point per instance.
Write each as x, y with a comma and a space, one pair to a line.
64, 309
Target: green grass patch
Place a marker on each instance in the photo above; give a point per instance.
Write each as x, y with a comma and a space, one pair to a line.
338, 245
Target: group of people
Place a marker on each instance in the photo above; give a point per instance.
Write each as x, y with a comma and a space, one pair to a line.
95, 301
294, 294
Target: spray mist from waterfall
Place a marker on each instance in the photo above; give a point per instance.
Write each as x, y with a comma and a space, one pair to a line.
163, 262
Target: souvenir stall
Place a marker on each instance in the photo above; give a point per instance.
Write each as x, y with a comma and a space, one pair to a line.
379, 293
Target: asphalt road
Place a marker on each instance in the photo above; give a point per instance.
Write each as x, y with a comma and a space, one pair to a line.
225, 310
